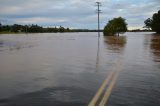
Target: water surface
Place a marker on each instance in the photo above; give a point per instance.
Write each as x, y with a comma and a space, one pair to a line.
58, 69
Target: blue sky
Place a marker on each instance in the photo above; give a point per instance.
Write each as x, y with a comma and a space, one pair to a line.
76, 13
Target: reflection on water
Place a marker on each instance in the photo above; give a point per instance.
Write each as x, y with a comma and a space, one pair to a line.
13, 45
115, 43
155, 47
138, 83
98, 53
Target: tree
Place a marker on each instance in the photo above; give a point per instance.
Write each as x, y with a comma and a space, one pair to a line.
154, 23
148, 23
0, 27
15, 28
115, 26
61, 29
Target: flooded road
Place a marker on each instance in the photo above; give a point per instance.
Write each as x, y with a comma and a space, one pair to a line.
63, 69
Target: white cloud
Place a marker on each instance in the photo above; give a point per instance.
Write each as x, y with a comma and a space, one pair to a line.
76, 13
35, 20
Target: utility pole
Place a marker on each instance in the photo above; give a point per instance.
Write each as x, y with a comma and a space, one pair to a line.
98, 4
98, 11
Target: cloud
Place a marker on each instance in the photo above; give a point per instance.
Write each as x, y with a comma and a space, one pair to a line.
76, 13
35, 20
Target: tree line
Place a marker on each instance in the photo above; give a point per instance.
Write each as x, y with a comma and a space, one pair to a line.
16, 28
31, 28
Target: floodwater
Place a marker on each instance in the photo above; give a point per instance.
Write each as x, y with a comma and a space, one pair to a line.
67, 69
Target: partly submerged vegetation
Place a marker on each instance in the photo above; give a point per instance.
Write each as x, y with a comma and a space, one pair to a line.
154, 22
16, 28
30, 29
115, 26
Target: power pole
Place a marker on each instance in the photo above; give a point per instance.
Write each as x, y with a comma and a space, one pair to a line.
98, 4
98, 11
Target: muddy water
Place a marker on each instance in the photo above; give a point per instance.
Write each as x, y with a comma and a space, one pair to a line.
63, 69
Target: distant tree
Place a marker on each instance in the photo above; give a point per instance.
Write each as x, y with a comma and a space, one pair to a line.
15, 28
35, 28
67, 30
6, 28
154, 23
61, 29
0, 27
32, 28
115, 26
148, 23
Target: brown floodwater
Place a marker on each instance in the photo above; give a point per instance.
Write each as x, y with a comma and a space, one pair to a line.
67, 69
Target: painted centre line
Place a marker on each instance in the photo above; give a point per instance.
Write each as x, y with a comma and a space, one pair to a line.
109, 83
109, 90
101, 89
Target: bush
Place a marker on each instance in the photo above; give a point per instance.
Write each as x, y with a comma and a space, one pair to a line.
115, 26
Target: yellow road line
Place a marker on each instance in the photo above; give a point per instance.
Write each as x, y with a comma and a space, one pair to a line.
109, 90
101, 89
111, 78
112, 83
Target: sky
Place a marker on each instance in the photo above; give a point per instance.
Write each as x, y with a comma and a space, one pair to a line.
79, 14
